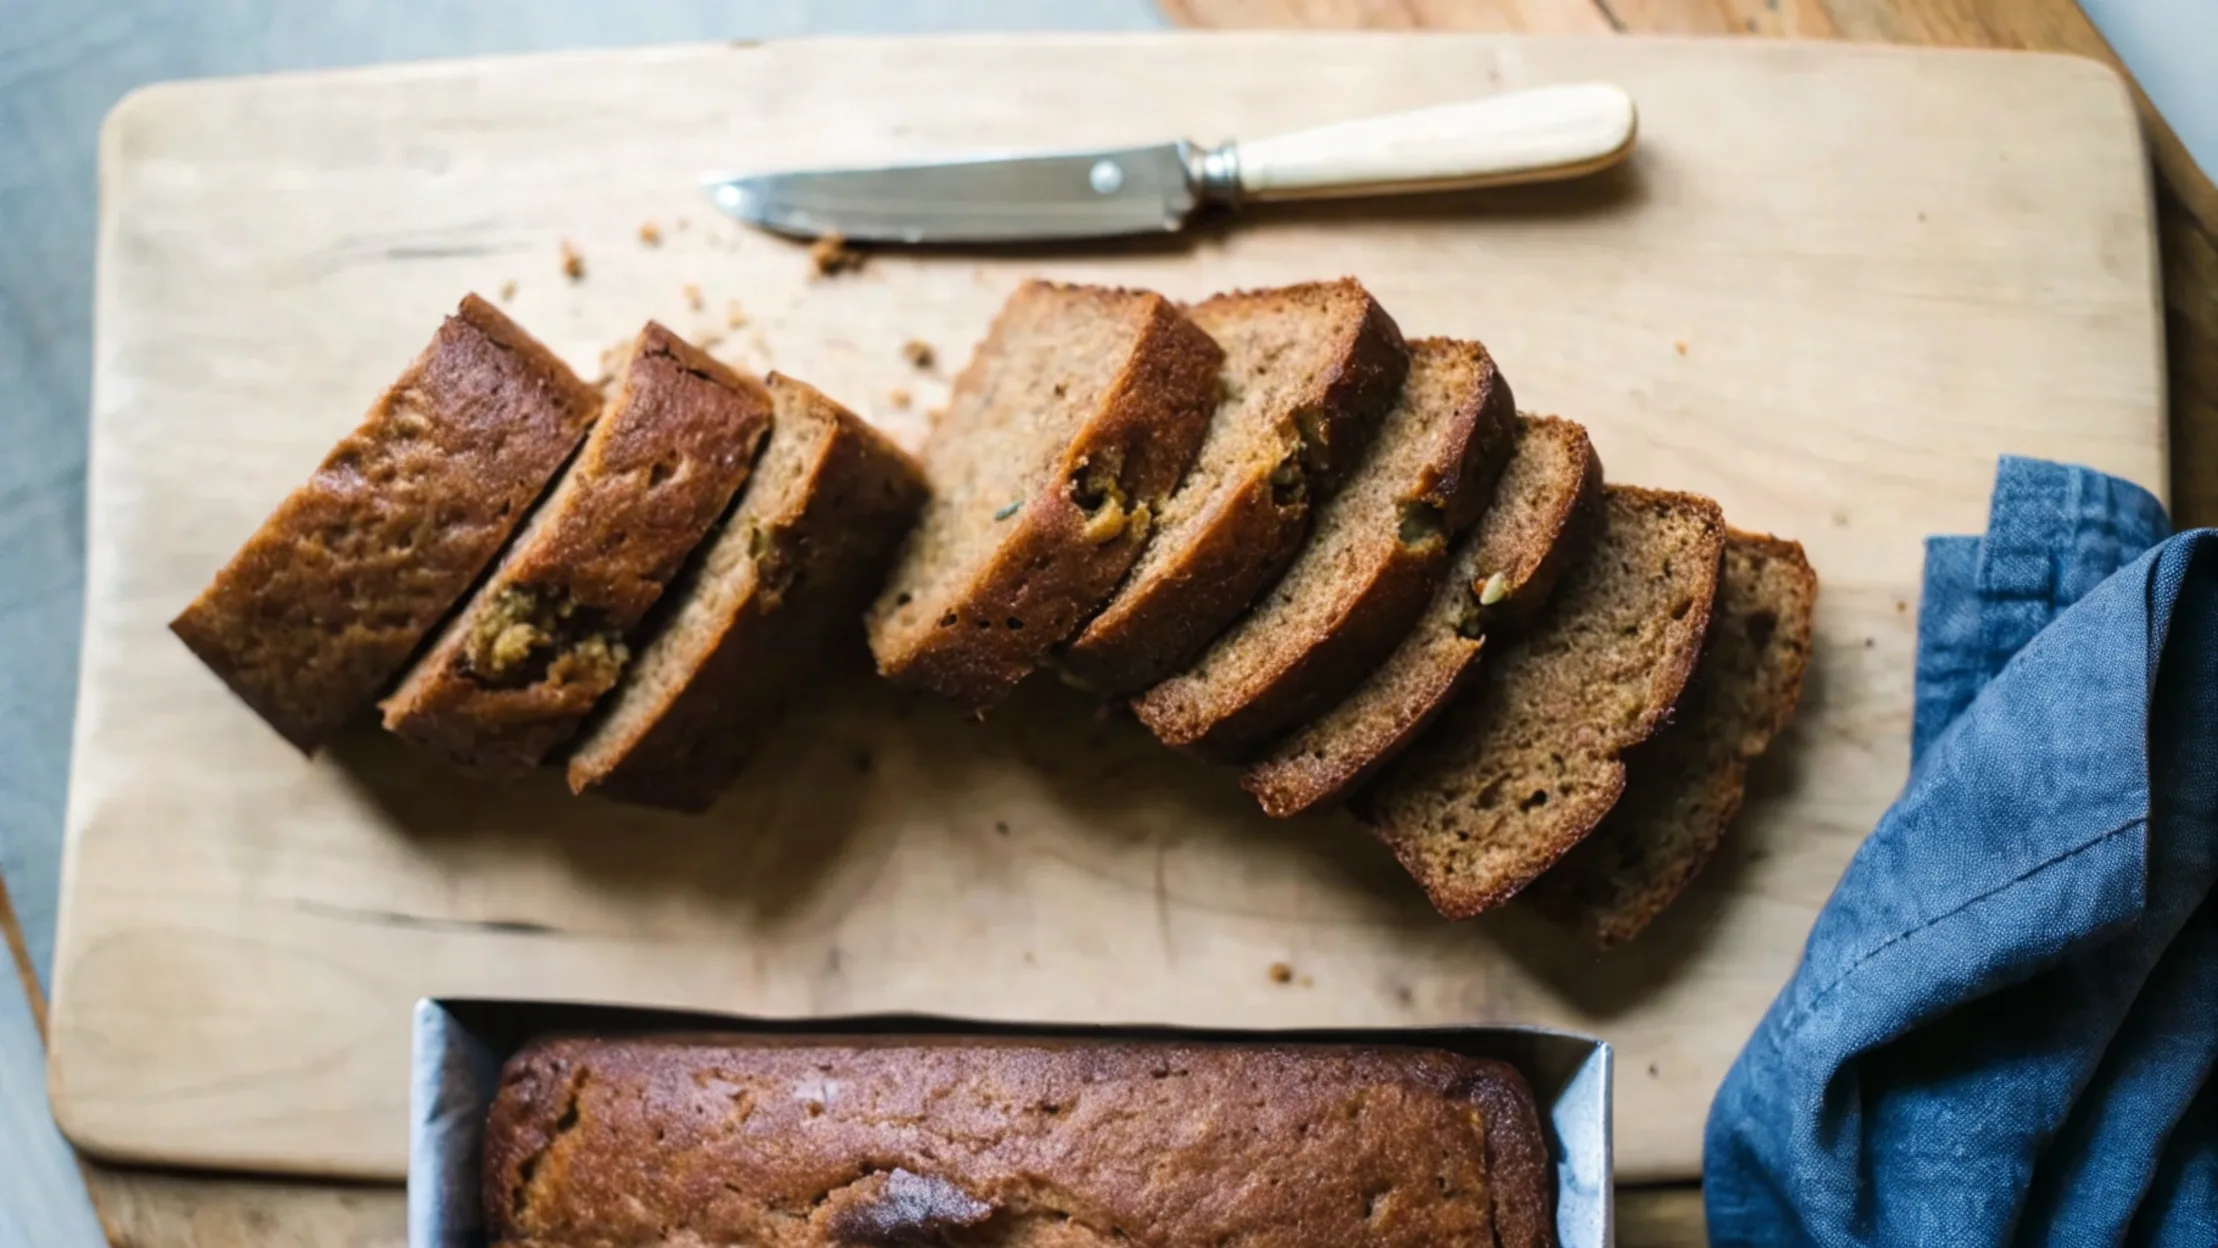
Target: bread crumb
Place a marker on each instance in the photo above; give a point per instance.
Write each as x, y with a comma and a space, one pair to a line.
1680, 346
680, 224
918, 353
693, 297
900, 399
508, 290
709, 339
650, 234
573, 261
832, 256
1281, 973
733, 317
1307, 982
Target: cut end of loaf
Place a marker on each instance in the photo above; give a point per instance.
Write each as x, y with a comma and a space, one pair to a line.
1528, 764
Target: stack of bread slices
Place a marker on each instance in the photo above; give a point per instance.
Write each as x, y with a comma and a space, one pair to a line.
1286, 538
1294, 542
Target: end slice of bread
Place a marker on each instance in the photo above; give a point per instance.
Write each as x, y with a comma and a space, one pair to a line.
1061, 442
1499, 576
1529, 762
1379, 549
757, 608
1308, 372
1683, 787
518, 670
328, 599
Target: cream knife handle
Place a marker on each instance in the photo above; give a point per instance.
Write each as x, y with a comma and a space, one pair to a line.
1518, 136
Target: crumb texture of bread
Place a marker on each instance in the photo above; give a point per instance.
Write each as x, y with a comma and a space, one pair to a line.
518, 670
1062, 439
325, 603
1530, 761
1683, 787
758, 609
1378, 549
1009, 1143
1309, 371
1535, 525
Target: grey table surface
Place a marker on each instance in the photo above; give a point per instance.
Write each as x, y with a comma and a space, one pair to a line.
63, 64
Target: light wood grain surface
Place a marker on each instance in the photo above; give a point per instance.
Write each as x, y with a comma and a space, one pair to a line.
1963, 241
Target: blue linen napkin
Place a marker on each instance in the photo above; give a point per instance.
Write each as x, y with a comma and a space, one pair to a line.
2004, 1029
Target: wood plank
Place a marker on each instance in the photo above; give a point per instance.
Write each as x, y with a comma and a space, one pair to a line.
271, 920
2187, 201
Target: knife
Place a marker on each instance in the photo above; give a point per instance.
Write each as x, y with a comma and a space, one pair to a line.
1542, 134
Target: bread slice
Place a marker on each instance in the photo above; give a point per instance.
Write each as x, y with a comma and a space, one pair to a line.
1379, 549
1309, 370
1683, 787
1063, 437
1524, 767
1537, 523
757, 607
326, 601
516, 672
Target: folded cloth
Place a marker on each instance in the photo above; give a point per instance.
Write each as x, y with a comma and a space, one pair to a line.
2004, 1028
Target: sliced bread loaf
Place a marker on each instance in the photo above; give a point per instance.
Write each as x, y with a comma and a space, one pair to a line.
547, 634
323, 605
1308, 372
1524, 767
1378, 551
1683, 787
1499, 575
1061, 440
756, 608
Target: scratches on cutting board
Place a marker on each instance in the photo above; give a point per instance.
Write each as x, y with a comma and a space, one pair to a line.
422, 922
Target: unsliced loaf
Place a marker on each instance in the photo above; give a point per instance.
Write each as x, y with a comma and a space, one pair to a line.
1061, 440
756, 609
1308, 372
1010, 1143
1536, 525
1524, 766
1683, 787
327, 600
1378, 551
516, 672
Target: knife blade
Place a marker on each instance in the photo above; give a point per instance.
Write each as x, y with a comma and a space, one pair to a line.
1541, 134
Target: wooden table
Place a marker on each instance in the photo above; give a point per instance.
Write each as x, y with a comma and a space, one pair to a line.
154, 1210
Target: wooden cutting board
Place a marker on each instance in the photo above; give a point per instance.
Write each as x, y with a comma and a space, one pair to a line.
1832, 286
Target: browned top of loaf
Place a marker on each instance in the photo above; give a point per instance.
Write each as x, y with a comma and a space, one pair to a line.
1036, 1143
750, 618
1683, 788
322, 606
1061, 440
1308, 372
517, 671
1523, 769
1379, 549
1533, 528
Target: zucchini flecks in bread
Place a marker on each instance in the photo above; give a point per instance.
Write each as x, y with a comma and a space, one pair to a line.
759, 609
1530, 530
1378, 551
1683, 788
1526, 765
518, 670
328, 599
1308, 372
1071, 425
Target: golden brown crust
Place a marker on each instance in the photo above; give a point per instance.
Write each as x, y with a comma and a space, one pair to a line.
325, 602
1010, 1142
519, 669
1249, 686
1684, 786
1160, 621
1331, 756
820, 560
1470, 811
1049, 572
